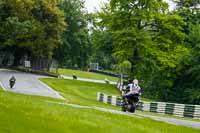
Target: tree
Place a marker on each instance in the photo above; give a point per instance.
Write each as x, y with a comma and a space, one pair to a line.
102, 48
187, 3
142, 32
31, 27
147, 35
74, 50
187, 85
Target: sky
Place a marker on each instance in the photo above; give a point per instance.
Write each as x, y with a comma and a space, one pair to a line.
94, 5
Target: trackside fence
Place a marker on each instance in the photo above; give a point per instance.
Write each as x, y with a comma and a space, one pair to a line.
179, 110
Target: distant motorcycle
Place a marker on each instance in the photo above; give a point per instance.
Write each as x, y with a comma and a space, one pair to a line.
130, 102
12, 81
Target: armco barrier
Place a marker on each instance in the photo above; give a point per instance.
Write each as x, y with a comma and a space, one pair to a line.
180, 110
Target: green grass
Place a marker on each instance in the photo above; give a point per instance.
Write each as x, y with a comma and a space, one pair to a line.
84, 93
91, 75
84, 74
79, 92
31, 114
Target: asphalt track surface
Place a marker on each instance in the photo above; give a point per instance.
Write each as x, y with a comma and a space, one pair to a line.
29, 84
26, 83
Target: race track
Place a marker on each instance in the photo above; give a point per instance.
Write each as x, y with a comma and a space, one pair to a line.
26, 83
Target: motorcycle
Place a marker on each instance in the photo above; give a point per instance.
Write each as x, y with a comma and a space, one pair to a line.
12, 82
129, 102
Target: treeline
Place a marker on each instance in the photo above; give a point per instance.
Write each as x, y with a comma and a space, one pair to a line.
30, 27
45, 29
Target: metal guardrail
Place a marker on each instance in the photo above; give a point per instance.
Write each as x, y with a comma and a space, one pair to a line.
179, 110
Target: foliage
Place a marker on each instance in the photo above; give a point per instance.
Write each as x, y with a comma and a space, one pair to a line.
124, 67
141, 35
74, 50
32, 27
150, 38
102, 47
187, 3
187, 85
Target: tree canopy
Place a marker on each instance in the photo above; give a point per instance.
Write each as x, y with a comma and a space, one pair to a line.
33, 25
144, 34
160, 44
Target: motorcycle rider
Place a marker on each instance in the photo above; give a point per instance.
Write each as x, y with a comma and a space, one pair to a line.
132, 88
12, 81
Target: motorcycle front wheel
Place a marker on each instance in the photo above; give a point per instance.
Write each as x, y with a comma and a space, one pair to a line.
132, 109
11, 85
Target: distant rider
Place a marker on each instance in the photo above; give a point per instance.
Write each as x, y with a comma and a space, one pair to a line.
12, 81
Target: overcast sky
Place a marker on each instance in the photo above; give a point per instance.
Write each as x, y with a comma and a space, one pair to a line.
94, 5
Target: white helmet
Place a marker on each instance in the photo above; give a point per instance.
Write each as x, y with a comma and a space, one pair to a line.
135, 81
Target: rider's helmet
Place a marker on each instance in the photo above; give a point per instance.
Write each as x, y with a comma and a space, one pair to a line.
13, 78
135, 81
